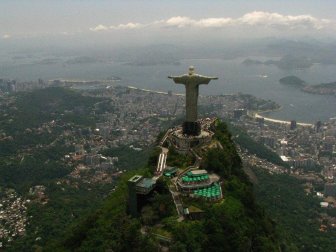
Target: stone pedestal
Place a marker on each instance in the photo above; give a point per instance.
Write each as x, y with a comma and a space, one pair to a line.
191, 128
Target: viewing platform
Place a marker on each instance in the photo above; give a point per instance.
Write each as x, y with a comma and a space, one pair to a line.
196, 179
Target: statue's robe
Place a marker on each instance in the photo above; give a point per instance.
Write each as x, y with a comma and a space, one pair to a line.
191, 83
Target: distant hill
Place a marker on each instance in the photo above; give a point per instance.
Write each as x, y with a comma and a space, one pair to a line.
292, 62
286, 62
252, 62
82, 60
155, 55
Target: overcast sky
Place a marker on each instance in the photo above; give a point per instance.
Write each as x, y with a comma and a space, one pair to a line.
150, 19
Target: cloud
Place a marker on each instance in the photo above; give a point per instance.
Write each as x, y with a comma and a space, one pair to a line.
214, 22
259, 18
99, 27
6, 36
179, 22
127, 26
254, 19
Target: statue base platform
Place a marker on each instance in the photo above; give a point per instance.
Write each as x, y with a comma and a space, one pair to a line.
183, 143
191, 128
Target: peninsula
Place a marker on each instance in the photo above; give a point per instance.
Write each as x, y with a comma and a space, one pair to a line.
322, 89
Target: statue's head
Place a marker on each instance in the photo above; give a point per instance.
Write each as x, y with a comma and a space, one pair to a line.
191, 70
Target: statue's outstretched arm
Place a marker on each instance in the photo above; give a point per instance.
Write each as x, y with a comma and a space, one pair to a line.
210, 77
178, 79
205, 79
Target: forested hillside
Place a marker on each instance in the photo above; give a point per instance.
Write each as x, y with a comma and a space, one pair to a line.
235, 224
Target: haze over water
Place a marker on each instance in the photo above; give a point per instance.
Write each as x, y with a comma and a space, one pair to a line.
258, 80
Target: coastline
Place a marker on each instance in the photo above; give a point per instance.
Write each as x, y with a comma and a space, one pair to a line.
153, 91
256, 115
270, 110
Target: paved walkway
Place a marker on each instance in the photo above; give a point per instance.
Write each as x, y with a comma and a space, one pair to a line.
161, 165
177, 201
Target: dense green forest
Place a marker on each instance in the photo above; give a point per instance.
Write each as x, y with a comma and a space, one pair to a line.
297, 214
43, 105
128, 158
32, 150
235, 224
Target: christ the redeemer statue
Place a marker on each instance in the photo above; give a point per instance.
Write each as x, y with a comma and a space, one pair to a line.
191, 82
